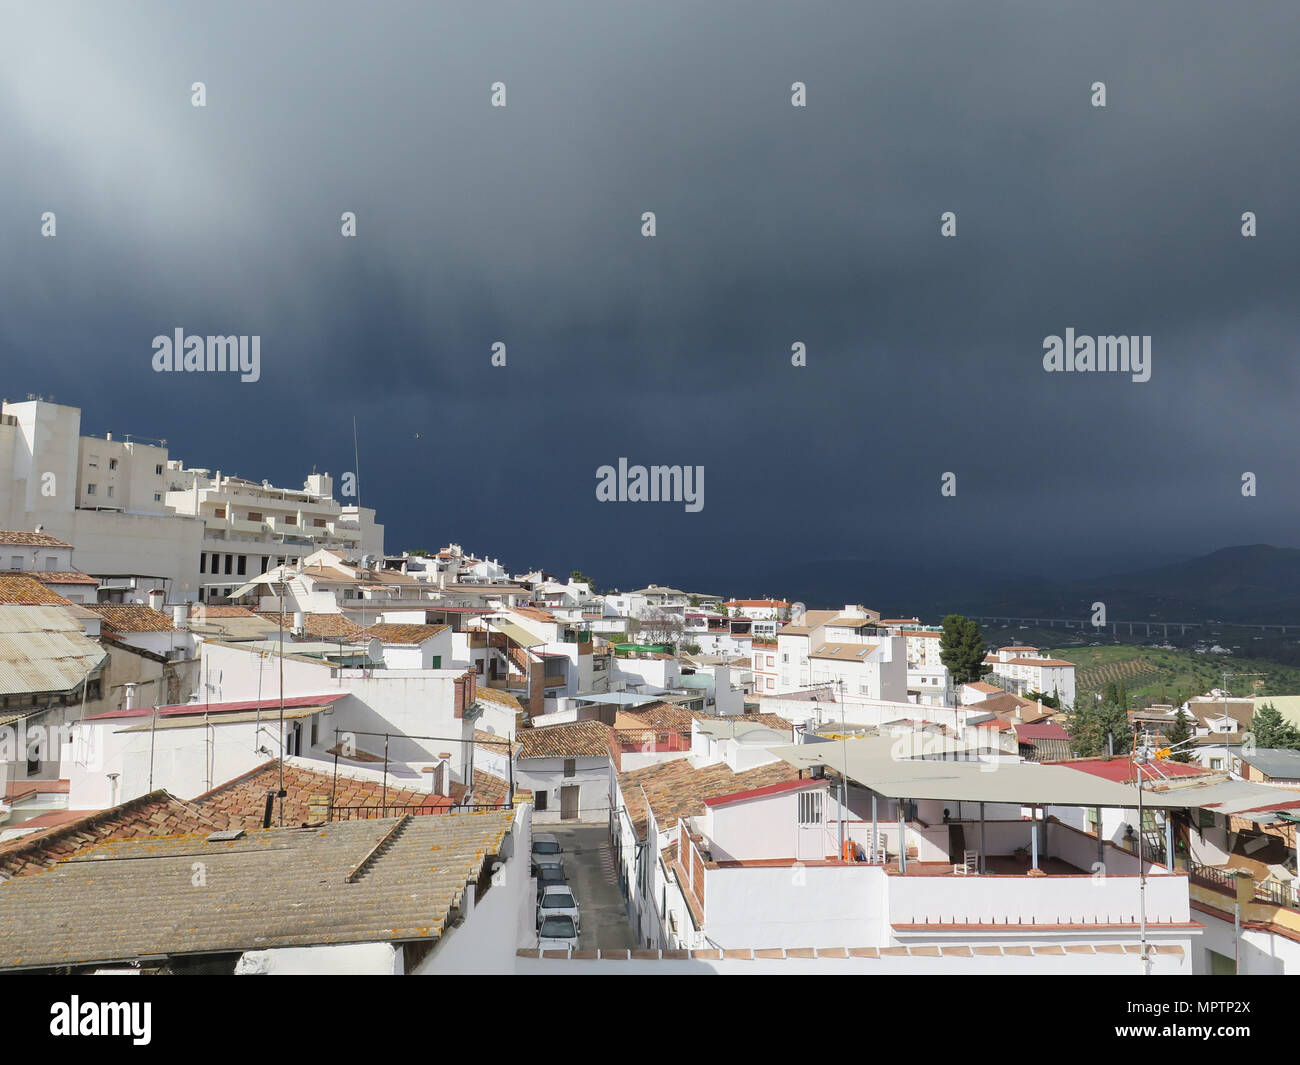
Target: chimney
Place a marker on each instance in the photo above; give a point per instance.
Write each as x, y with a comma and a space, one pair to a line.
156, 599
299, 622
181, 616
128, 696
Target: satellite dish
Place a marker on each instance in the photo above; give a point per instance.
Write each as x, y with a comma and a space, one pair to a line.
797, 611
375, 649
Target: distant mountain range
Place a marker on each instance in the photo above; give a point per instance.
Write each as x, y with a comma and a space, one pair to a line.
1252, 584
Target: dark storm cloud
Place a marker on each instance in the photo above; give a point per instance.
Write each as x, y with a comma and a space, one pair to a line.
775, 225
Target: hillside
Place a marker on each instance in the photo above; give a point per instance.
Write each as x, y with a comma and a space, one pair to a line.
1158, 675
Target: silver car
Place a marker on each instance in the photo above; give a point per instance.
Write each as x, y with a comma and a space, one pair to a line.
558, 900
557, 933
546, 847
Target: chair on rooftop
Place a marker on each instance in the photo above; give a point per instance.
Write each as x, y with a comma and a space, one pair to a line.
969, 864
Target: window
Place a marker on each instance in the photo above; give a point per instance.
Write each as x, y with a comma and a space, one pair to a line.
157, 497
33, 762
112, 464
771, 661
243, 564
785, 659
51, 562
158, 470
15, 561
90, 489
810, 808
570, 767
1204, 819
254, 515
110, 491
1216, 763
230, 560
220, 512
540, 797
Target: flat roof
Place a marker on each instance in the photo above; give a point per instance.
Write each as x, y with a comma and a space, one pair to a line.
869, 761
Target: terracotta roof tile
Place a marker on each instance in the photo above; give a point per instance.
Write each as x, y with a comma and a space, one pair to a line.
400, 633
676, 789
131, 617
19, 590
578, 739
30, 539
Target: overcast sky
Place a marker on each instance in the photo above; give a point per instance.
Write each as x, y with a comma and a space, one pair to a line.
775, 225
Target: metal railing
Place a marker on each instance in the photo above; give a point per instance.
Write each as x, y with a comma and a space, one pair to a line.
1223, 881
382, 810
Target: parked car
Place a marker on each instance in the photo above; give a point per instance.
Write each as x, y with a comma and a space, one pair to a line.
558, 899
545, 845
549, 874
557, 932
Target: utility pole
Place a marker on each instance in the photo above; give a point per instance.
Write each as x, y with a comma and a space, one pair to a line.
1142, 868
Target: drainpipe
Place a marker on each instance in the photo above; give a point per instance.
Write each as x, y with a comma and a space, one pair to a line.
902, 840
875, 828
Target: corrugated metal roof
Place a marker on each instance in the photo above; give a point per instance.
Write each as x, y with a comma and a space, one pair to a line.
43, 649
871, 762
517, 634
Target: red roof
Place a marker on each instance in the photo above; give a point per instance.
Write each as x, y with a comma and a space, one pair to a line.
296, 702
762, 793
1042, 731
1122, 770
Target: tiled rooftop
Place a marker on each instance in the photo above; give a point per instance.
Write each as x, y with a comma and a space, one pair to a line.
405, 634
578, 739
131, 617
676, 789
17, 589
21, 537
390, 880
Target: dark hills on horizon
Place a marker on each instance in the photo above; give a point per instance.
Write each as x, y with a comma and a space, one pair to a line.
1248, 584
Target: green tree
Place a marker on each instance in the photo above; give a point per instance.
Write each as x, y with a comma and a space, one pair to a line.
961, 649
1083, 724
1179, 732
1272, 730
581, 578
1051, 701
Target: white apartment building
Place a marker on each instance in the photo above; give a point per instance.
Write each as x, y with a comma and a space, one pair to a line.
862, 671
796, 642
929, 685
140, 519
102, 494
923, 647
1019, 669
759, 609
249, 528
